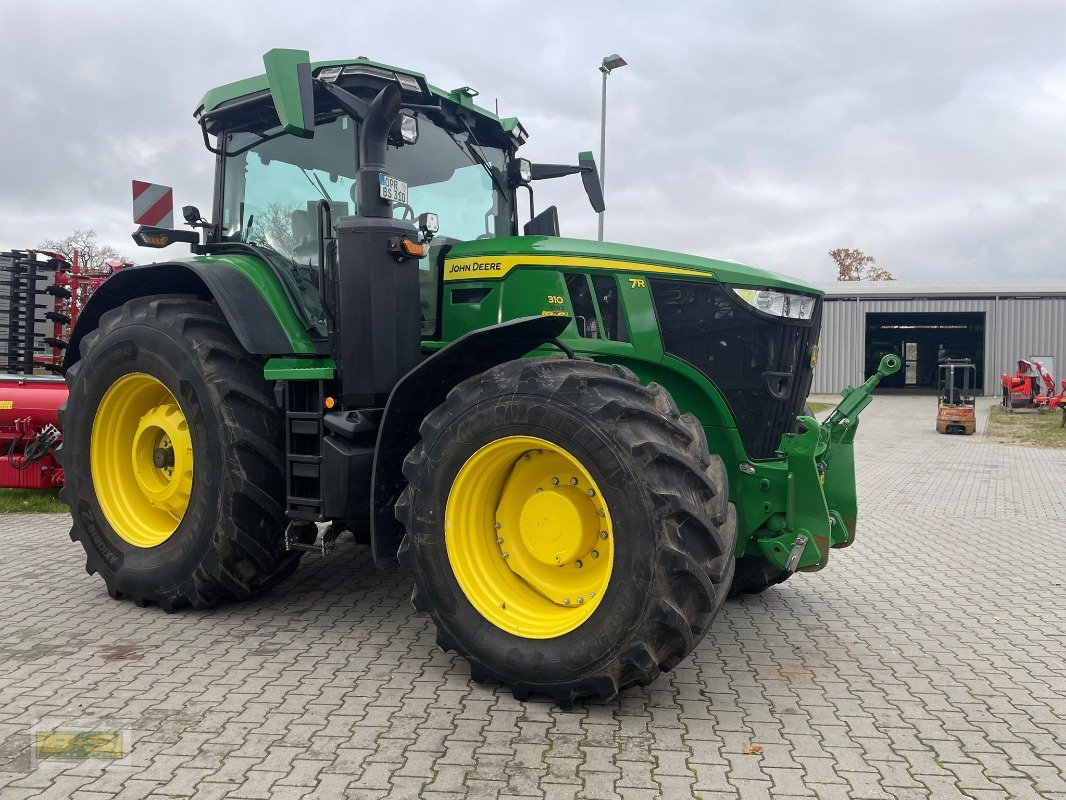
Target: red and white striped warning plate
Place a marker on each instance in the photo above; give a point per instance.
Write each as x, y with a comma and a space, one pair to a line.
153, 205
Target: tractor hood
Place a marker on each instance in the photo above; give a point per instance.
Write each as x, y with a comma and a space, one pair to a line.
516, 247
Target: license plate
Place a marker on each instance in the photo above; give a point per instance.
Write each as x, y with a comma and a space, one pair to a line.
392, 189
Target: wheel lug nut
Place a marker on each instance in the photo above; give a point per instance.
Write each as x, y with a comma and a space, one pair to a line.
505, 555
555, 481
591, 595
499, 540
498, 526
592, 492
602, 513
580, 600
603, 534
566, 601
573, 481
578, 564
595, 554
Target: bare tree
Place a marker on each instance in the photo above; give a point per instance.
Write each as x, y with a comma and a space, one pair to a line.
855, 265
275, 225
92, 254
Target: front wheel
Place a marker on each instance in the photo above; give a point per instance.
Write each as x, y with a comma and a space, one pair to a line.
568, 531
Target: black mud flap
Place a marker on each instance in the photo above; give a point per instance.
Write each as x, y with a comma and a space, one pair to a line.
423, 389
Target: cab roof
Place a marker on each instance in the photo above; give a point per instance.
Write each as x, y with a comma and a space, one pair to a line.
248, 90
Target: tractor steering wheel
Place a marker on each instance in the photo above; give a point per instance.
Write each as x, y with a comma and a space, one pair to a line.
406, 210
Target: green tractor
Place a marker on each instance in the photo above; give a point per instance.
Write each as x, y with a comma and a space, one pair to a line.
577, 448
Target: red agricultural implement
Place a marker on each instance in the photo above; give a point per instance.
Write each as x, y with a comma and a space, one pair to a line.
1023, 389
41, 295
1050, 402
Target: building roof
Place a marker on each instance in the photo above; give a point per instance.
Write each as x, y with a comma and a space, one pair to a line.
899, 290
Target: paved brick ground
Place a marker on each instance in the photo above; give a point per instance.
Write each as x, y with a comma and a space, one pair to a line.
926, 661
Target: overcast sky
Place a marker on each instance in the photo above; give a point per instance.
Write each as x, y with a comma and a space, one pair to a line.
931, 135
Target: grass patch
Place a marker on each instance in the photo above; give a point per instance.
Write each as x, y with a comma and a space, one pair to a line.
817, 408
37, 501
1027, 427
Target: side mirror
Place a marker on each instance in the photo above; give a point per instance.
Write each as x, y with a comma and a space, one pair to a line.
590, 177
546, 223
292, 89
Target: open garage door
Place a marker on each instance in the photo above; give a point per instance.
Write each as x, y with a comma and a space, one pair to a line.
923, 340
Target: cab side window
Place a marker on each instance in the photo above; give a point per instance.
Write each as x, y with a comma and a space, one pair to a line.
614, 320
577, 286
597, 307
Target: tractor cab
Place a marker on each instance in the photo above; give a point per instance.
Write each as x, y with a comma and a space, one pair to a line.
432, 159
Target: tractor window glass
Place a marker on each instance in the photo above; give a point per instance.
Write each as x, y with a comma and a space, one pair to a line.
577, 286
444, 178
273, 188
614, 321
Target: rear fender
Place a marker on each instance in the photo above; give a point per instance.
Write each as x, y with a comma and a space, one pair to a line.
423, 389
263, 326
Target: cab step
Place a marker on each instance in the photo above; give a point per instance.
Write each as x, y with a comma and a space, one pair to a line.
323, 544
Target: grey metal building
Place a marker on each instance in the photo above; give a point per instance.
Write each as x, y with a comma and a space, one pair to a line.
993, 326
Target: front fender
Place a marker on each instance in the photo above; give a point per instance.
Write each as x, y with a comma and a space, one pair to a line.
248, 293
423, 389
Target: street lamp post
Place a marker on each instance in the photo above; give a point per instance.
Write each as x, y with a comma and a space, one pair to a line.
613, 61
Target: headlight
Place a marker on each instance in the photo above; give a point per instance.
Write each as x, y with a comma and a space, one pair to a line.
521, 171
779, 304
409, 129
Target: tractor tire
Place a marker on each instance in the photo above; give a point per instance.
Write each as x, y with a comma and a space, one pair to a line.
198, 520
519, 444
754, 574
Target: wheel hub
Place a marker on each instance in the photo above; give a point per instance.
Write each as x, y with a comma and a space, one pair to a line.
142, 459
552, 528
529, 536
163, 457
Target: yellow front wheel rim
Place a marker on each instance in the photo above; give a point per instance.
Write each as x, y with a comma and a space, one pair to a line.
141, 457
529, 537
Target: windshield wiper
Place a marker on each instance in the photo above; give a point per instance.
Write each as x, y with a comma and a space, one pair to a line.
477, 155
317, 183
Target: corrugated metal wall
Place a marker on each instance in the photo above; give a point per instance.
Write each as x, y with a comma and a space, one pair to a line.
1014, 328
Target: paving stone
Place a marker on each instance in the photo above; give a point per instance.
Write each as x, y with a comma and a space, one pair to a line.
925, 661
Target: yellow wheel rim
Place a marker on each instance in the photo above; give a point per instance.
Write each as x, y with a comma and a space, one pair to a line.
142, 460
529, 537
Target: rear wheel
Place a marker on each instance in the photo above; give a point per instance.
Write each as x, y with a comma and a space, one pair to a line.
568, 531
172, 460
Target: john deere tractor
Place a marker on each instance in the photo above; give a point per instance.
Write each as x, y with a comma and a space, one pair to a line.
578, 449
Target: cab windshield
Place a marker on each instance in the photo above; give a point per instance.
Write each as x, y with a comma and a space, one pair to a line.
273, 185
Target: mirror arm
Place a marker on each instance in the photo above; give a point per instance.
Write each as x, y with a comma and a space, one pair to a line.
207, 142
531, 212
543, 172
353, 106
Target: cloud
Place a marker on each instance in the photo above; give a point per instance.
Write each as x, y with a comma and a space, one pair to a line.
928, 135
